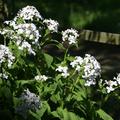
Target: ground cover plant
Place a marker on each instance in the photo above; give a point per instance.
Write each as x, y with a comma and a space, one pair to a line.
37, 85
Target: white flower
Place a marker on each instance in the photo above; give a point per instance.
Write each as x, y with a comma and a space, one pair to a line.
77, 63
26, 45
7, 22
3, 76
65, 74
109, 89
88, 66
89, 83
6, 55
78, 68
7, 33
11, 23
70, 35
110, 85
41, 77
29, 13
51, 24
117, 79
28, 30
27, 37
63, 70
92, 68
20, 32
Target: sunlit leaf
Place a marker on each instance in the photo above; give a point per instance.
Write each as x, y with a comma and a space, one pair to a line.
102, 114
64, 114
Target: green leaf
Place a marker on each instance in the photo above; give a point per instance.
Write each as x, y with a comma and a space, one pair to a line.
23, 82
57, 44
60, 46
79, 96
39, 113
6, 92
104, 115
48, 59
64, 114
50, 89
55, 97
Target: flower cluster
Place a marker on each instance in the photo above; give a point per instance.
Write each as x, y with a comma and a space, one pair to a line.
25, 45
70, 35
28, 31
89, 66
77, 63
8, 33
29, 13
117, 79
63, 70
28, 35
25, 35
6, 55
92, 68
41, 77
112, 84
51, 24
22, 31
29, 102
4, 76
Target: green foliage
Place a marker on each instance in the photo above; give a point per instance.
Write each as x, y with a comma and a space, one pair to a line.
45, 107
64, 114
103, 115
48, 59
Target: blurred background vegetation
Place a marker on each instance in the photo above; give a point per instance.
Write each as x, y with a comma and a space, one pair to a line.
103, 15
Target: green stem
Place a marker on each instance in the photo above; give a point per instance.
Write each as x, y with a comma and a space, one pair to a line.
65, 55
72, 74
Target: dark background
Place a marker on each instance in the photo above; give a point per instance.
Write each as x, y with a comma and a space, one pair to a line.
100, 15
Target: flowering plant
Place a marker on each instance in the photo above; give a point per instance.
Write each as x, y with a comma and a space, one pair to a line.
37, 85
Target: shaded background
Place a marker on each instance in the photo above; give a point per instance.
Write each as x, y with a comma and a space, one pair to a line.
103, 15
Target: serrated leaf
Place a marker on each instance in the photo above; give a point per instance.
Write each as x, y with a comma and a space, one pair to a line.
79, 96
102, 114
64, 114
55, 97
